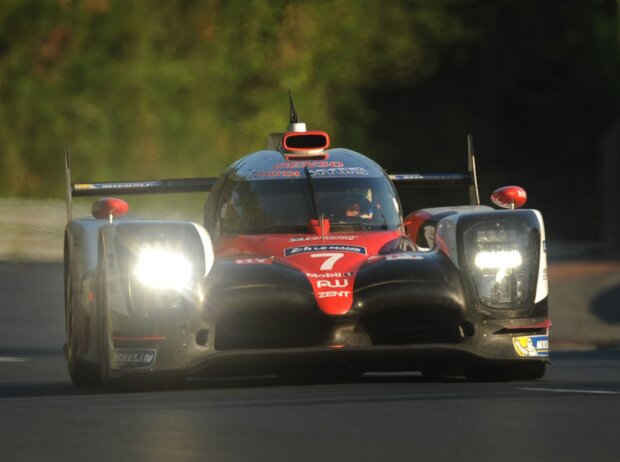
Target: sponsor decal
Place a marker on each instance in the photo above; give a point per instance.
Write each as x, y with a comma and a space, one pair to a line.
276, 174
333, 284
338, 171
145, 184
407, 176
133, 359
334, 293
330, 275
395, 256
534, 345
321, 238
309, 164
404, 256
324, 248
253, 261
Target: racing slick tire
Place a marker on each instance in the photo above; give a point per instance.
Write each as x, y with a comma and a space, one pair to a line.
82, 374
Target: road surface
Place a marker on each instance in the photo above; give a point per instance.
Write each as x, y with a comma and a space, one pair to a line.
571, 415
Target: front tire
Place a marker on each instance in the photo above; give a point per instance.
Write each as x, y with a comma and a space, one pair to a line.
104, 341
82, 373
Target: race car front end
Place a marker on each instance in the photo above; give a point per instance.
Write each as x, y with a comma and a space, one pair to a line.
306, 264
477, 304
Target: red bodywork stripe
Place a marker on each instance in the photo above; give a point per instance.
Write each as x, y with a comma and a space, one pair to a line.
540, 325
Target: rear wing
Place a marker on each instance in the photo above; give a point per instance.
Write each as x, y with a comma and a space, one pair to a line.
173, 185
468, 178
182, 185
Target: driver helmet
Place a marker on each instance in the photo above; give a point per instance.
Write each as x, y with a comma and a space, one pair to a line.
358, 207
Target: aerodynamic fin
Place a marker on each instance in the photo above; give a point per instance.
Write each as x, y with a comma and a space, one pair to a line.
68, 189
295, 125
474, 196
294, 115
468, 178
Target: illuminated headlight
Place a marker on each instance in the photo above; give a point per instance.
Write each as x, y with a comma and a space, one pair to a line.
500, 259
163, 269
499, 256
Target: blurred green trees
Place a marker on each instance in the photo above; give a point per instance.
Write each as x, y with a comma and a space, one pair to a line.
141, 89
166, 88
184, 87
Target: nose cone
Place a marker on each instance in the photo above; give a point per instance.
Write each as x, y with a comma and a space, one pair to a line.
333, 291
331, 269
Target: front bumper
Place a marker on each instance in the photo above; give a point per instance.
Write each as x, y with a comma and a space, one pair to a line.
263, 322
491, 344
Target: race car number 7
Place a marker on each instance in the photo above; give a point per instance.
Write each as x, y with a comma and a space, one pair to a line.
330, 259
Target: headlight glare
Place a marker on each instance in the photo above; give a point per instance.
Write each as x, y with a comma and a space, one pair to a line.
501, 259
163, 269
499, 256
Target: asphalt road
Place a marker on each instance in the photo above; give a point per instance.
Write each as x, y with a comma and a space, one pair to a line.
571, 415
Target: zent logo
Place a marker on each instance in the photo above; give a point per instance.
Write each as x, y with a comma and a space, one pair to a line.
334, 293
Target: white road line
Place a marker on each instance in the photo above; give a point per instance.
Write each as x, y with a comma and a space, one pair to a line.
12, 359
569, 390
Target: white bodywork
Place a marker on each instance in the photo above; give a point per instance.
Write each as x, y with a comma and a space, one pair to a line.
446, 232
82, 239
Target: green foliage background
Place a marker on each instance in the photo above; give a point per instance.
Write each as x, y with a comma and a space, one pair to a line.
165, 88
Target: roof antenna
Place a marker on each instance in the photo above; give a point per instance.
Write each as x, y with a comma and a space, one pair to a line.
294, 116
295, 125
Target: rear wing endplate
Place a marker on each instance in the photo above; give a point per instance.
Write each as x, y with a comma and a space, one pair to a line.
445, 179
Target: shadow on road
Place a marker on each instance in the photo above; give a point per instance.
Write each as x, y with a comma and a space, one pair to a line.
31, 352
41, 390
50, 389
606, 305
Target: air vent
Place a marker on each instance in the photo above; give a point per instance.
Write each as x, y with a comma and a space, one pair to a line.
305, 142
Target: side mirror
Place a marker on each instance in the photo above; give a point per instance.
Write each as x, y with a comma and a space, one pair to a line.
509, 197
420, 228
109, 207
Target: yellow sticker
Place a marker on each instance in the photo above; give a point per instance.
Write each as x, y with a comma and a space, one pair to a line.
536, 345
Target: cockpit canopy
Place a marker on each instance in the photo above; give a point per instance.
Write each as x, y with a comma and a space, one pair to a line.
354, 194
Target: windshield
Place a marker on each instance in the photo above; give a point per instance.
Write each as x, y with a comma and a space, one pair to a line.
287, 206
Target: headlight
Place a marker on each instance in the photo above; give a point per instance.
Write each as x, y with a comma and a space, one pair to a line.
163, 269
499, 256
501, 259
